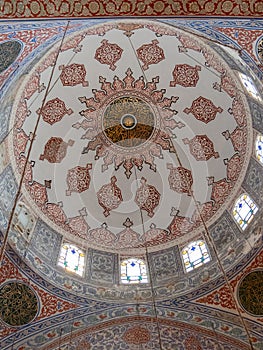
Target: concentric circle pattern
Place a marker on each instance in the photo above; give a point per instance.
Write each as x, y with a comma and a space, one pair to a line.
144, 153
128, 121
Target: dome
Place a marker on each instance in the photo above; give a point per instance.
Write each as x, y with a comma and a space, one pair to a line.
132, 142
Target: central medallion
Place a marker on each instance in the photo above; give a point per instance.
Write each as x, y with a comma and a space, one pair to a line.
128, 121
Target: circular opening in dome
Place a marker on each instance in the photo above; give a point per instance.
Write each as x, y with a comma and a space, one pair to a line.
128, 121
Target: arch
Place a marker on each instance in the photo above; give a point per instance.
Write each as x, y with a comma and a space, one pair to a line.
244, 210
72, 258
133, 270
195, 254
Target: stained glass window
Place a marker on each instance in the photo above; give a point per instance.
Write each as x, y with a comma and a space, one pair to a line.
195, 255
72, 258
244, 210
23, 221
259, 148
133, 270
250, 86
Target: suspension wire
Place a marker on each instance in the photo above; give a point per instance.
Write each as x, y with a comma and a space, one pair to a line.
150, 273
207, 234
211, 241
143, 227
33, 135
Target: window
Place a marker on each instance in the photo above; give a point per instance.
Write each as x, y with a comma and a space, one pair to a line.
244, 210
133, 270
23, 221
195, 255
72, 258
250, 86
259, 148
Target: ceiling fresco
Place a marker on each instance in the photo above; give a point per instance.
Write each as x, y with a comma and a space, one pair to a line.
94, 8
130, 138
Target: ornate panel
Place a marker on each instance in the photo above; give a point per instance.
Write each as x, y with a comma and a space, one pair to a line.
223, 232
256, 110
8, 189
46, 242
102, 267
5, 110
253, 183
165, 264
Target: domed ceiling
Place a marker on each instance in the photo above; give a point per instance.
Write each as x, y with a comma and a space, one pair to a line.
132, 138
142, 136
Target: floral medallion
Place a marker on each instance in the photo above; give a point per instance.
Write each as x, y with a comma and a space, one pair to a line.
134, 112
147, 197
109, 196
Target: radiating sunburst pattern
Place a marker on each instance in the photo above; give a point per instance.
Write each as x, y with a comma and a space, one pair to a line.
109, 113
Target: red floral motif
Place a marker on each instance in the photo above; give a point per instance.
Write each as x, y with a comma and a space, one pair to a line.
180, 179
56, 213
203, 213
238, 138
137, 335
108, 54
150, 54
49, 61
238, 111
102, 234
203, 109
21, 142
201, 147
32, 86
78, 226
153, 235
28, 175
228, 85
55, 150
99, 143
244, 37
22, 113
147, 197
185, 75
234, 166
51, 304
73, 75
127, 238
129, 27
78, 179
222, 297
192, 343
189, 43
109, 196
180, 225
220, 190
54, 110
73, 43
39, 193
212, 61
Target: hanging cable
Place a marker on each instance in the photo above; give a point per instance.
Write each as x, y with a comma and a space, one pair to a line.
207, 234
33, 135
150, 274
